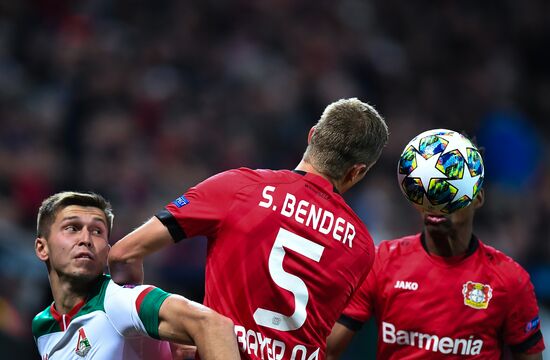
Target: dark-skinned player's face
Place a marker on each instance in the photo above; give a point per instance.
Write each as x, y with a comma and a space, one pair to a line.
449, 223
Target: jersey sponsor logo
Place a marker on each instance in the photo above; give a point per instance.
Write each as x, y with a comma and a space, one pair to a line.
310, 215
255, 343
406, 285
443, 345
533, 324
477, 295
181, 201
83, 345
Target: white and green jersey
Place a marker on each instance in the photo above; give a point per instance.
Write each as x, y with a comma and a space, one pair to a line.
115, 323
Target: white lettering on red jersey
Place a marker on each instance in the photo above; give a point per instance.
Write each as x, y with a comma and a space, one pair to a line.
285, 253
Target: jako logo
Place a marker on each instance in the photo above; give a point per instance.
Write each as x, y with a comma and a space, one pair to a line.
407, 285
444, 345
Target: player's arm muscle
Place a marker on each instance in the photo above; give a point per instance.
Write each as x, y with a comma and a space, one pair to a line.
186, 322
338, 341
126, 256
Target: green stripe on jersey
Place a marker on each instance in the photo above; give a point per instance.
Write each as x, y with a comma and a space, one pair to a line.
149, 311
96, 299
44, 323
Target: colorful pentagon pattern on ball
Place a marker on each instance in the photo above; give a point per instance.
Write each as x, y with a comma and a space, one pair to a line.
440, 171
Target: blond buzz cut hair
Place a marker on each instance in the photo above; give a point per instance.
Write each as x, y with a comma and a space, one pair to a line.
349, 132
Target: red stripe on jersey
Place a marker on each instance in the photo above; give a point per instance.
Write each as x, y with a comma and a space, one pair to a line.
142, 296
65, 319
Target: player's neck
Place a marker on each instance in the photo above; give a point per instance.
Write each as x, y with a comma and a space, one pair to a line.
68, 293
307, 167
447, 244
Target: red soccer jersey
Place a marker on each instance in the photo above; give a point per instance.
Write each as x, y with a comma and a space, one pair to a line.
284, 255
429, 307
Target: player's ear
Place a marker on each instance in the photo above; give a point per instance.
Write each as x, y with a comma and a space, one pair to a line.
355, 173
358, 171
480, 199
41, 248
310, 135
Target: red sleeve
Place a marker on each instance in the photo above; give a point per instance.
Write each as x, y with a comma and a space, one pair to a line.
203, 208
361, 306
522, 327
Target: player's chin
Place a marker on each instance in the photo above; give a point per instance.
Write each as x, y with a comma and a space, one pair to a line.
438, 230
86, 273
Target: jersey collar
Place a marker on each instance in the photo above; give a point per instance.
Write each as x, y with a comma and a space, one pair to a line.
65, 319
97, 290
318, 180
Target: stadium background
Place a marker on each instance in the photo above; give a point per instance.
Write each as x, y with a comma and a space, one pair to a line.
138, 100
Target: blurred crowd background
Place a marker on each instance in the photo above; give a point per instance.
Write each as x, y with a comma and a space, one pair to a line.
138, 100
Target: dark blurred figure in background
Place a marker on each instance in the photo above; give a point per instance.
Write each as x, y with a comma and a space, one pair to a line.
140, 91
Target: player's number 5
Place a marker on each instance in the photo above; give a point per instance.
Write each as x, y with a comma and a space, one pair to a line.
292, 283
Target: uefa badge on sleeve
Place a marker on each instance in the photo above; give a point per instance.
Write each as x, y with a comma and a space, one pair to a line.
181, 201
533, 324
477, 295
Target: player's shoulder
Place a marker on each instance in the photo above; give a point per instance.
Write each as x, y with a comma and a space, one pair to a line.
131, 295
44, 323
267, 174
120, 300
244, 174
503, 265
115, 293
44, 314
399, 247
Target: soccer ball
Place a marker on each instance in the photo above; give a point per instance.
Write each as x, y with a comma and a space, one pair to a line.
440, 171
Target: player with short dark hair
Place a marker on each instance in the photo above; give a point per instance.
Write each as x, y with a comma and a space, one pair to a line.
285, 252
443, 294
92, 317
52, 205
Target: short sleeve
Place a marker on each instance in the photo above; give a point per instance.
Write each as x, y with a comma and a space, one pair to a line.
134, 310
522, 327
360, 308
202, 209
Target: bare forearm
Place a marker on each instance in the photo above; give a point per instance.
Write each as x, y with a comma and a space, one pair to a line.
130, 272
218, 341
126, 256
125, 265
187, 322
338, 341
